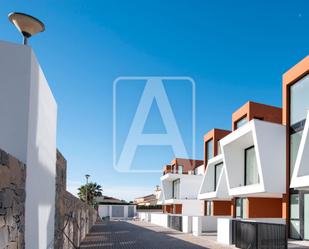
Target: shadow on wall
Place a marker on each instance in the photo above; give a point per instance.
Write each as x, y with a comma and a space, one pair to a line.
41, 161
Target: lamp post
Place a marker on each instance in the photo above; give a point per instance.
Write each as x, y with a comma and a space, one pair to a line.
27, 25
87, 177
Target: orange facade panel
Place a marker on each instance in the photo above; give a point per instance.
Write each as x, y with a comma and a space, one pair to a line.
252, 110
221, 208
264, 208
177, 209
215, 135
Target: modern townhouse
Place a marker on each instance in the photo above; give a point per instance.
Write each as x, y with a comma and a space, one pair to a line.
180, 183
254, 159
295, 118
214, 189
257, 174
254, 155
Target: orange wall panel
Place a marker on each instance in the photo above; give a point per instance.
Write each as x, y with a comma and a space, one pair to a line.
264, 207
221, 208
177, 209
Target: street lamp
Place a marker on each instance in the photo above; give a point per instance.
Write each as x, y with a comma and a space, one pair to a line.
87, 176
27, 25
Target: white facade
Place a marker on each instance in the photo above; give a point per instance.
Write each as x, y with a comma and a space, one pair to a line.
300, 177
188, 190
117, 211
207, 190
28, 113
268, 140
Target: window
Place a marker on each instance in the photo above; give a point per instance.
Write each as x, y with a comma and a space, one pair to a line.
294, 217
241, 208
251, 169
180, 169
208, 205
174, 169
295, 138
299, 106
209, 149
299, 100
241, 122
196, 171
218, 148
176, 189
218, 170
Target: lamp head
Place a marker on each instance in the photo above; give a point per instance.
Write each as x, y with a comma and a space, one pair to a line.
27, 25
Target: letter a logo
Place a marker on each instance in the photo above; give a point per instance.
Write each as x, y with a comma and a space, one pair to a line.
154, 91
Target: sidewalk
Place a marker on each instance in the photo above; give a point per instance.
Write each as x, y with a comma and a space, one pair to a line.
142, 235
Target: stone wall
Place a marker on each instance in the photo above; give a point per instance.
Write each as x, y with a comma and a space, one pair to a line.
73, 217
12, 202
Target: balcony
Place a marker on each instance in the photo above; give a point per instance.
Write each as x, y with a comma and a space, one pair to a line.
214, 183
254, 157
182, 189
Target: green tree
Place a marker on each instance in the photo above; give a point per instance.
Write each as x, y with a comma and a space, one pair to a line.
92, 190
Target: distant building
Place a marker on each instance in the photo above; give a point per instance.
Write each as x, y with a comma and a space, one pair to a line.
149, 200
105, 200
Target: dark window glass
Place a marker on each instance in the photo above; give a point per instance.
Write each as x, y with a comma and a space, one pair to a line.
209, 149
176, 189
218, 170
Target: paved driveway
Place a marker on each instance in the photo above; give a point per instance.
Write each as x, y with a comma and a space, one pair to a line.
142, 235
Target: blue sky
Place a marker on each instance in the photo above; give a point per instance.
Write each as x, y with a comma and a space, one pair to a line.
234, 50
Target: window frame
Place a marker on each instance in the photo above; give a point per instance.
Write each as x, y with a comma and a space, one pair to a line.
236, 126
180, 167
173, 188
215, 174
245, 167
210, 141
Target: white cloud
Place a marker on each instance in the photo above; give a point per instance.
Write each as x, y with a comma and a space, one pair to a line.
123, 192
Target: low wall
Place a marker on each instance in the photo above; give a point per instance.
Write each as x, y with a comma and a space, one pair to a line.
159, 219
190, 224
144, 216
202, 224
12, 202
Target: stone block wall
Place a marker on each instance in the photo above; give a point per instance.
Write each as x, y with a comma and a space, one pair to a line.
73, 217
12, 202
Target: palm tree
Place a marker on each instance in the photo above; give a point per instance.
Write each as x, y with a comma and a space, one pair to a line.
92, 190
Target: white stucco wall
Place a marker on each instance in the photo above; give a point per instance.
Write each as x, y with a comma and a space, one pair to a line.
192, 207
159, 219
224, 231
28, 131
189, 186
